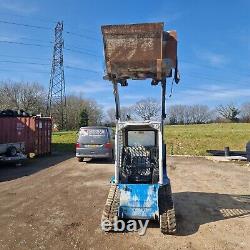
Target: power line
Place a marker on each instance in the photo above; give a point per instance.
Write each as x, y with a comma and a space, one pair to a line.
70, 48
83, 36
83, 69
44, 20
25, 25
48, 46
78, 35
47, 28
25, 57
90, 53
195, 76
43, 64
46, 64
37, 40
81, 52
93, 54
69, 75
26, 44
33, 71
33, 63
83, 49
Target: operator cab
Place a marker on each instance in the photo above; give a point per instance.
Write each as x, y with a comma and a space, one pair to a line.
140, 155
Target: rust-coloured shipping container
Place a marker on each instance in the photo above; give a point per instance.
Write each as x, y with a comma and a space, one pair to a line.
34, 131
139, 51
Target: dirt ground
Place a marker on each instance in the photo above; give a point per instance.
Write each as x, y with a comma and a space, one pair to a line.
56, 203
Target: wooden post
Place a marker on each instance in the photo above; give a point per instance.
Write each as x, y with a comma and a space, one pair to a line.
248, 151
227, 151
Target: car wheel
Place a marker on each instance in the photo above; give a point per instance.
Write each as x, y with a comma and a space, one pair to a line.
11, 151
80, 159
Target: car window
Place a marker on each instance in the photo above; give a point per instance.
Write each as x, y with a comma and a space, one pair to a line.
93, 136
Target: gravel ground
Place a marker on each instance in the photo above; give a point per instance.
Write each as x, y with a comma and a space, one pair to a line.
56, 203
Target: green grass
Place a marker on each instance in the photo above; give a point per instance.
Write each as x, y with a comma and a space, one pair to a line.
64, 141
183, 139
197, 139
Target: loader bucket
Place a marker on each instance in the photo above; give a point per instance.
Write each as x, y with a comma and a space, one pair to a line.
139, 51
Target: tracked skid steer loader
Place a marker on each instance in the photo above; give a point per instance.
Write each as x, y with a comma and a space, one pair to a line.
140, 188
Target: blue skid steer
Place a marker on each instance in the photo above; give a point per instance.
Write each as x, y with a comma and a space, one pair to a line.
140, 188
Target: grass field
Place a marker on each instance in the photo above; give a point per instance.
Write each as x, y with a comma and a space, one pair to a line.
64, 141
183, 139
197, 139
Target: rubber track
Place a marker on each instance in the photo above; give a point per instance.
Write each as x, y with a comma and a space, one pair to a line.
110, 211
167, 212
168, 222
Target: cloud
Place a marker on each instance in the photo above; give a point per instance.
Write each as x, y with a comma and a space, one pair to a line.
211, 94
212, 58
18, 6
88, 63
100, 91
10, 38
132, 97
106, 105
166, 18
90, 87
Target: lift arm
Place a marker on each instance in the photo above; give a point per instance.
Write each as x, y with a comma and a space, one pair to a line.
117, 101
163, 100
118, 106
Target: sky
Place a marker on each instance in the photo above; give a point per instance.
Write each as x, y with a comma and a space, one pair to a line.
213, 47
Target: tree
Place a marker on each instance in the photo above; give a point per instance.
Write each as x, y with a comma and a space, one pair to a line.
179, 114
95, 112
75, 105
84, 118
229, 112
110, 116
199, 114
125, 113
192, 114
176, 114
147, 108
30, 97
245, 112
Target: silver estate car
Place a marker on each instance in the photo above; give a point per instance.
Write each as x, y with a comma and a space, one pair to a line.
95, 142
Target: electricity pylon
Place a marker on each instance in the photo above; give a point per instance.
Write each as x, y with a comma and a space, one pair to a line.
56, 103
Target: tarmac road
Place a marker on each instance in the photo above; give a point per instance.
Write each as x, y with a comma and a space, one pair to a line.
56, 203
